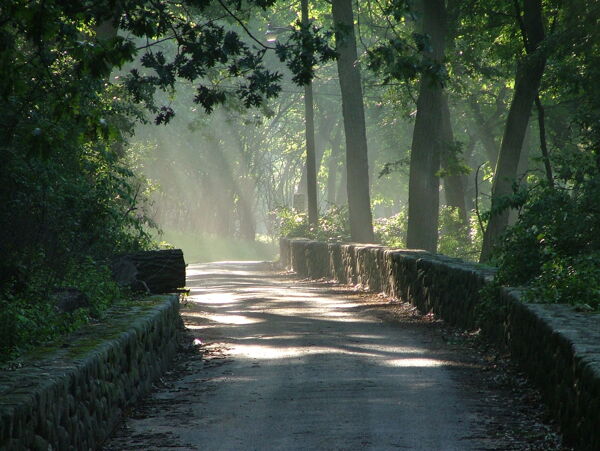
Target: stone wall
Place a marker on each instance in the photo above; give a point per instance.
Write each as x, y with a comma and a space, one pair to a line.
556, 346
71, 397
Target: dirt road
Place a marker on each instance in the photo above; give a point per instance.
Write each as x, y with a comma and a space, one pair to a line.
292, 365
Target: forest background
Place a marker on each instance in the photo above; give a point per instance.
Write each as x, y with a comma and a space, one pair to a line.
128, 125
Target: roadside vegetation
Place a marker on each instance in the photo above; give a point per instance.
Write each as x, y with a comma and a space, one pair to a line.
468, 128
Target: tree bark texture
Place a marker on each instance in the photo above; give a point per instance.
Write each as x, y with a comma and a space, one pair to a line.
453, 183
484, 133
311, 165
522, 168
423, 190
527, 82
359, 202
332, 166
322, 137
543, 141
341, 197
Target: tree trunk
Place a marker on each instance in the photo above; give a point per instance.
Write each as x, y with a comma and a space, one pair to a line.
527, 82
453, 183
359, 203
246, 211
423, 191
468, 179
309, 116
311, 165
485, 135
323, 132
332, 167
522, 169
341, 198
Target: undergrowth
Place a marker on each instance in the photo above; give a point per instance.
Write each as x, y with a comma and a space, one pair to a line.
554, 248
28, 317
455, 238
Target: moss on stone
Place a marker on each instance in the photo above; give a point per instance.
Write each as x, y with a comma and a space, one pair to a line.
77, 385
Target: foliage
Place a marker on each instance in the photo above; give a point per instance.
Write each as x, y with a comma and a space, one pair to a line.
402, 54
71, 193
67, 196
27, 318
554, 246
205, 45
569, 279
310, 49
391, 231
291, 223
457, 239
552, 249
333, 224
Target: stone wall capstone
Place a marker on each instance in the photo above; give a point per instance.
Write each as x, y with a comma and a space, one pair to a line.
71, 397
556, 346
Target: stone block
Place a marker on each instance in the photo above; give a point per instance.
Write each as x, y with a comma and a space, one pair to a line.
317, 259
336, 268
298, 256
348, 263
369, 267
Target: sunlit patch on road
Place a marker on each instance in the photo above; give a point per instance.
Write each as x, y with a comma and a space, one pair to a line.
286, 364
415, 363
225, 318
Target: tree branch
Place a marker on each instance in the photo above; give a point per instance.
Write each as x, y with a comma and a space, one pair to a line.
244, 26
543, 143
477, 212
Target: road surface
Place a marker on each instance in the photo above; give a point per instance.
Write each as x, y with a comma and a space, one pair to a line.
285, 364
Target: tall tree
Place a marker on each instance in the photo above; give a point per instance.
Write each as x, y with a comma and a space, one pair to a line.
332, 167
309, 117
325, 124
527, 81
423, 197
359, 203
453, 182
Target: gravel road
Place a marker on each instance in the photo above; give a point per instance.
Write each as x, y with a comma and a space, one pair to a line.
285, 364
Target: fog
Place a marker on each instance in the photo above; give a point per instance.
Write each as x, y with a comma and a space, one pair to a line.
216, 181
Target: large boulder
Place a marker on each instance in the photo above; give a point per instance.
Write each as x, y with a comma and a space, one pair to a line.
161, 271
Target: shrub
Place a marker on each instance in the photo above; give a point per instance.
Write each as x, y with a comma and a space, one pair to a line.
457, 239
391, 231
29, 317
554, 248
333, 224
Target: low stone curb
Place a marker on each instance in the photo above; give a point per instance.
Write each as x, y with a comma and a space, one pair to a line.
71, 398
556, 346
